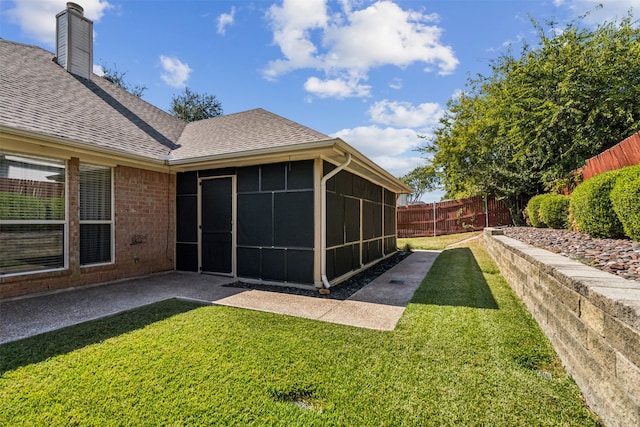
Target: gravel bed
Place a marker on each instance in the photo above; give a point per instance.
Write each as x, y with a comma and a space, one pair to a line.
616, 256
341, 291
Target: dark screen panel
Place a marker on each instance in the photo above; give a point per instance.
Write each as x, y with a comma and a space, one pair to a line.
359, 186
249, 263
274, 265
300, 266
390, 245
255, 219
389, 197
344, 260
355, 251
377, 220
389, 220
344, 183
327, 167
352, 219
187, 257
335, 219
272, 177
293, 219
187, 218
300, 175
331, 264
187, 183
372, 192
248, 179
368, 225
372, 251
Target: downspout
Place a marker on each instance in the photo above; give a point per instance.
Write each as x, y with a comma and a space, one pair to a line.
323, 219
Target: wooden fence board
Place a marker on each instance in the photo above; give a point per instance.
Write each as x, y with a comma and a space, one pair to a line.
451, 216
625, 153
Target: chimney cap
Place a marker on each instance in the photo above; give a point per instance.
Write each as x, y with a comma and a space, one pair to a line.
75, 7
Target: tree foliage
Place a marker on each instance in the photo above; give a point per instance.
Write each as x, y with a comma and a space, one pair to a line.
191, 106
540, 115
117, 78
421, 180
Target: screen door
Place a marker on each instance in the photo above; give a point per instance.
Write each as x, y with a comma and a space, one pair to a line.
217, 226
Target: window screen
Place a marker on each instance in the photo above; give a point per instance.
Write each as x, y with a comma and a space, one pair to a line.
96, 213
32, 213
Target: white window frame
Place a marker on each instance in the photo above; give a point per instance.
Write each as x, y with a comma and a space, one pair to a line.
64, 222
111, 222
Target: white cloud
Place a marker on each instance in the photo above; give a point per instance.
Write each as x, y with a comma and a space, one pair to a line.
225, 20
353, 41
337, 88
97, 69
385, 34
37, 18
405, 114
374, 141
398, 166
292, 24
175, 72
395, 83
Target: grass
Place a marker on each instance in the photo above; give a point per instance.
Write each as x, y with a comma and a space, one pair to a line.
466, 352
437, 242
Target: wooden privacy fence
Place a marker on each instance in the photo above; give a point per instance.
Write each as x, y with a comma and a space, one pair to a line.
451, 216
626, 153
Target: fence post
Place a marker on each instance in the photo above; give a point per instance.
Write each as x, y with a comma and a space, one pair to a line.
434, 219
486, 212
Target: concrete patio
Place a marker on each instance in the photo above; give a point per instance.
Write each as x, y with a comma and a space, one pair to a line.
379, 305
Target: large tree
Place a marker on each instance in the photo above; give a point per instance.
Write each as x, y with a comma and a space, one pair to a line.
421, 180
540, 115
191, 106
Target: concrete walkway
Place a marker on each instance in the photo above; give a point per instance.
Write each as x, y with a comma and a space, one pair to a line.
379, 305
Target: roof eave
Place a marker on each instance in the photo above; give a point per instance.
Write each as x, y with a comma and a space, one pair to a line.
333, 150
65, 147
252, 157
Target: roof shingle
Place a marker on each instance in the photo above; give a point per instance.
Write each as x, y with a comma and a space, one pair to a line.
240, 132
38, 95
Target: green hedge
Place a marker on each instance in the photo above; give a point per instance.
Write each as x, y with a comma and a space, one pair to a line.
31, 208
533, 211
625, 199
554, 210
591, 206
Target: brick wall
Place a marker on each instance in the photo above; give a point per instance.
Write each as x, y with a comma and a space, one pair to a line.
591, 317
144, 234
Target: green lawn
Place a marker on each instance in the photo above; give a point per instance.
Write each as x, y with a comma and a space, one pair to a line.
466, 352
437, 242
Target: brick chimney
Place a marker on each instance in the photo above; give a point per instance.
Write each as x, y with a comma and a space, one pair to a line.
74, 41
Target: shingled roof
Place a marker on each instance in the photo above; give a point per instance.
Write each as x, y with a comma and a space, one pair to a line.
39, 96
241, 132
41, 99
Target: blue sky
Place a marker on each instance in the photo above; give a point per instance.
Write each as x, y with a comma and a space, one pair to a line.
375, 73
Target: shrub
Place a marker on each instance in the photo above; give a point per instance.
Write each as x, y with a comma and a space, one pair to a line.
591, 207
554, 210
533, 211
31, 208
625, 198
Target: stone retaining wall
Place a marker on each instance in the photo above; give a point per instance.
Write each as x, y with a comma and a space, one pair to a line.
591, 317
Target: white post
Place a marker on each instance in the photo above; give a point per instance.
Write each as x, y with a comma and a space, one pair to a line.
434, 219
486, 213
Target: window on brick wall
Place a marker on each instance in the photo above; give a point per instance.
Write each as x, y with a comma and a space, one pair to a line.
96, 215
33, 216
